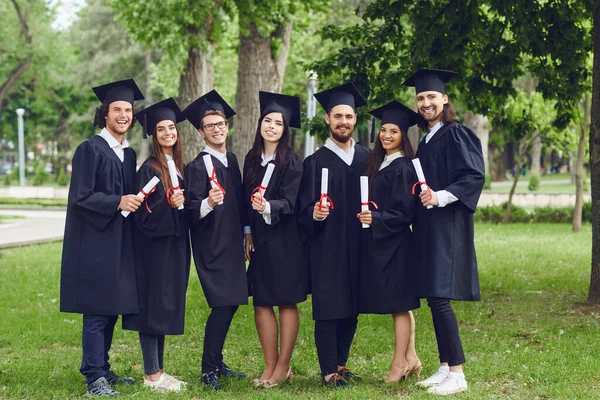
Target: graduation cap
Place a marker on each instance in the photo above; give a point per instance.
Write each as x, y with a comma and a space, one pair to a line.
289, 106
425, 80
346, 94
163, 110
211, 101
125, 90
397, 113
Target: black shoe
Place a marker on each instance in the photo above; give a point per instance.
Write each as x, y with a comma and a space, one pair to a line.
336, 381
100, 387
210, 379
347, 374
226, 372
114, 379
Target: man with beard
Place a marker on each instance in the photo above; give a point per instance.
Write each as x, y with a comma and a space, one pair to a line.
333, 232
98, 272
452, 162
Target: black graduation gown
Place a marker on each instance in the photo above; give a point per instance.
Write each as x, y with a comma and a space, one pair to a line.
452, 161
218, 238
98, 270
387, 271
333, 244
163, 252
277, 274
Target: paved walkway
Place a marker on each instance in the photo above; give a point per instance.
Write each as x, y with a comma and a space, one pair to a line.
38, 226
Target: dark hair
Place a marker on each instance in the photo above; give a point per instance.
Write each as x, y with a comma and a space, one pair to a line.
378, 154
448, 115
159, 161
283, 149
102, 112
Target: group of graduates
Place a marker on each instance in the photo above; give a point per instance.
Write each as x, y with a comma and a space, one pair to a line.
127, 248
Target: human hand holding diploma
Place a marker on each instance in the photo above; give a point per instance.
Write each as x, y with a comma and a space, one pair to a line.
365, 214
424, 188
146, 190
174, 181
258, 201
321, 209
212, 177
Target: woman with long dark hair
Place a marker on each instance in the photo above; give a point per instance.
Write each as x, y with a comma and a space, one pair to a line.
162, 245
276, 275
385, 275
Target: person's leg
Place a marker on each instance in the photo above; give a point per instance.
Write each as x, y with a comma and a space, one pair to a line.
400, 367
149, 345
109, 330
345, 328
93, 346
217, 326
160, 345
289, 320
411, 353
326, 343
266, 326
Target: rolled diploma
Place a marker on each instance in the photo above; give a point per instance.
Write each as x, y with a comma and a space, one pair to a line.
209, 167
174, 178
267, 178
364, 195
146, 189
420, 175
324, 181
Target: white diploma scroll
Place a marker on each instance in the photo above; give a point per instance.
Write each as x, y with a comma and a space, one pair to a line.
364, 196
174, 179
146, 189
324, 182
209, 169
267, 178
420, 175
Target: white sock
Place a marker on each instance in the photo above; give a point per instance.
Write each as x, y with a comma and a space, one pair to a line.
444, 368
456, 375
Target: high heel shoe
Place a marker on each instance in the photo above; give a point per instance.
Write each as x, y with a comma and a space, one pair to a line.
415, 369
289, 377
405, 373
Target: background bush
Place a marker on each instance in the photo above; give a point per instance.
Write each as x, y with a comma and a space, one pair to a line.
495, 214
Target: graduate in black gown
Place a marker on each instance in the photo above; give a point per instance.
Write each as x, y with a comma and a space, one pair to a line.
387, 269
98, 267
333, 232
277, 275
452, 163
217, 217
162, 245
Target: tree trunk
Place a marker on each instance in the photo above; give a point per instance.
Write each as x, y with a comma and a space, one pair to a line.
146, 144
578, 211
594, 293
259, 69
197, 79
536, 154
481, 126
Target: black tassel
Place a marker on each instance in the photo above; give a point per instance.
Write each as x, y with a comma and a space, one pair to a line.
372, 129
145, 127
97, 118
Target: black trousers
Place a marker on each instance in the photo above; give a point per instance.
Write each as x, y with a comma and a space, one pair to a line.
333, 339
153, 351
446, 331
217, 325
96, 339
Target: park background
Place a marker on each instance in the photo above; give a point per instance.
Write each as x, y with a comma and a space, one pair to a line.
528, 85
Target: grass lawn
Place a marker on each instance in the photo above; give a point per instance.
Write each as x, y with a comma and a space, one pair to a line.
14, 202
531, 336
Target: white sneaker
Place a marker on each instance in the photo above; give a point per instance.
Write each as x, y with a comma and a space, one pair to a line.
436, 378
166, 382
455, 382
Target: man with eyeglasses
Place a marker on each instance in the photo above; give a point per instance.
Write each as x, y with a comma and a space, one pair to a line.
216, 212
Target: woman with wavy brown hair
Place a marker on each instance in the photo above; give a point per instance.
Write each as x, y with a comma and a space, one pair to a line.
162, 245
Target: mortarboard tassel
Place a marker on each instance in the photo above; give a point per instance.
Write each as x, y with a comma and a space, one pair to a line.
145, 127
372, 129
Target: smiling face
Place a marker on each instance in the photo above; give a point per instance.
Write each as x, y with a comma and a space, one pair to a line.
214, 136
431, 105
341, 120
166, 134
119, 117
390, 136
271, 127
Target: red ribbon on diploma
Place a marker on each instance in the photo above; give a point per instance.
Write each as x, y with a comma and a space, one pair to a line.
422, 183
170, 191
324, 196
213, 178
257, 189
146, 197
367, 203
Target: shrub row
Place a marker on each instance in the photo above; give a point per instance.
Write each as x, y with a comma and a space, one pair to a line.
495, 214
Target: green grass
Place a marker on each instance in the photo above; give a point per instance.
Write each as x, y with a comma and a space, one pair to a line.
545, 187
530, 337
28, 203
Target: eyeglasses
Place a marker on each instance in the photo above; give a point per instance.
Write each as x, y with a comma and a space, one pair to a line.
211, 127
